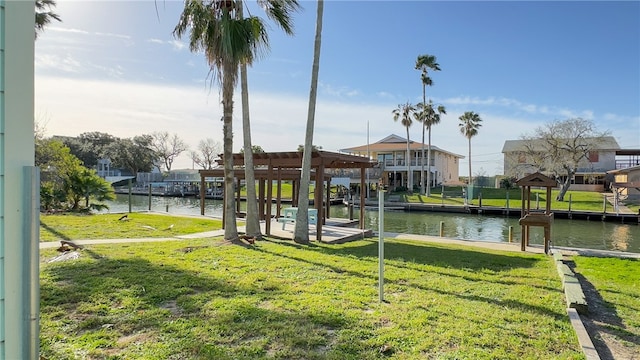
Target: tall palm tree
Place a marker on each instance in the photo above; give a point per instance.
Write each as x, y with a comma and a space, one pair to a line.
44, 15
229, 40
425, 63
469, 124
301, 232
404, 112
428, 115
252, 220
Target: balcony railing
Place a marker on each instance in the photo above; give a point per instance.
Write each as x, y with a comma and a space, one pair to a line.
402, 162
374, 173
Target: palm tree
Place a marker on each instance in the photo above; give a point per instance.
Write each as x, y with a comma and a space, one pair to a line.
469, 125
228, 41
404, 112
428, 116
252, 221
301, 232
44, 15
425, 63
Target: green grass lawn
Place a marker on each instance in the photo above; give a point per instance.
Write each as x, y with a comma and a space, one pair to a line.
580, 200
616, 281
107, 226
204, 300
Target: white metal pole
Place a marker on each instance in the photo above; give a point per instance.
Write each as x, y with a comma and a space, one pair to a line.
381, 242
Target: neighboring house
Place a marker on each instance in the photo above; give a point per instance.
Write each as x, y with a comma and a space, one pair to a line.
590, 176
627, 183
391, 153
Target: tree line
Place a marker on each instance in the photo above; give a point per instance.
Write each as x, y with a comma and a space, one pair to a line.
141, 153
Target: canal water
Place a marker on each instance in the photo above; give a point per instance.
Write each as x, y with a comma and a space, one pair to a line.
598, 235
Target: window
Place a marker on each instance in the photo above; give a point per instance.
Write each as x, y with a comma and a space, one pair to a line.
522, 158
593, 156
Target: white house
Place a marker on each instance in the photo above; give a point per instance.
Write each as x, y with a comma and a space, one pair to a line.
391, 153
592, 171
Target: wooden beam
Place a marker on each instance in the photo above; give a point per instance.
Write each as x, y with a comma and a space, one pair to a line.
269, 197
362, 200
202, 185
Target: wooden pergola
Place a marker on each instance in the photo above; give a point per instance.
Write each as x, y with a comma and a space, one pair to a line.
279, 166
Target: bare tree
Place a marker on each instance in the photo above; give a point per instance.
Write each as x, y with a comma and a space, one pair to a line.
168, 147
207, 153
561, 146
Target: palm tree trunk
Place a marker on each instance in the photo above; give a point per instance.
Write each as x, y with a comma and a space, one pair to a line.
429, 165
301, 233
230, 225
424, 106
252, 220
409, 177
470, 177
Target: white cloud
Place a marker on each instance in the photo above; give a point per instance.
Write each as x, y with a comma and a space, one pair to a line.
119, 36
342, 91
67, 30
177, 45
65, 63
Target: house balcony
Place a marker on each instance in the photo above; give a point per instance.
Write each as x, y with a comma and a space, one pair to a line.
372, 174
401, 164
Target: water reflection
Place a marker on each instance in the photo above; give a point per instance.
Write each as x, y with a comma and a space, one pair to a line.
572, 233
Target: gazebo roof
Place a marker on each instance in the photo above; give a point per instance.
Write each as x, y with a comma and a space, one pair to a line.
293, 159
536, 179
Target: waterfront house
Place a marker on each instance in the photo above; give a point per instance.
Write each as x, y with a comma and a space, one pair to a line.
627, 183
592, 171
391, 153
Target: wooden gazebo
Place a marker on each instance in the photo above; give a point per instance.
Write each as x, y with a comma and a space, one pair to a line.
535, 218
279, 166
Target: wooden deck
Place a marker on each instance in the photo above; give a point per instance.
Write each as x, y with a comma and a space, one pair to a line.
334, 231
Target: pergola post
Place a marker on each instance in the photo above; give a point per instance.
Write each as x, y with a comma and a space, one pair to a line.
362, 200
318, 200
278, 192
238, 184
269, 197
261, 204
328, 193
202, 184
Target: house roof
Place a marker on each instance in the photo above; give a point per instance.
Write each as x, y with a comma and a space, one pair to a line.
395, 143
625, 170
607, 143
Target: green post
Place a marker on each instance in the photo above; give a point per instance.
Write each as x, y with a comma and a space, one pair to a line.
129, 184
149, 196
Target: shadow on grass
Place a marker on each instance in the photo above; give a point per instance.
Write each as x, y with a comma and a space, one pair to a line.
460, 259
602, 318
191, 314
429, 255
54, 232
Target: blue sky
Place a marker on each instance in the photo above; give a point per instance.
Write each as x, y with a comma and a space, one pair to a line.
115, 67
